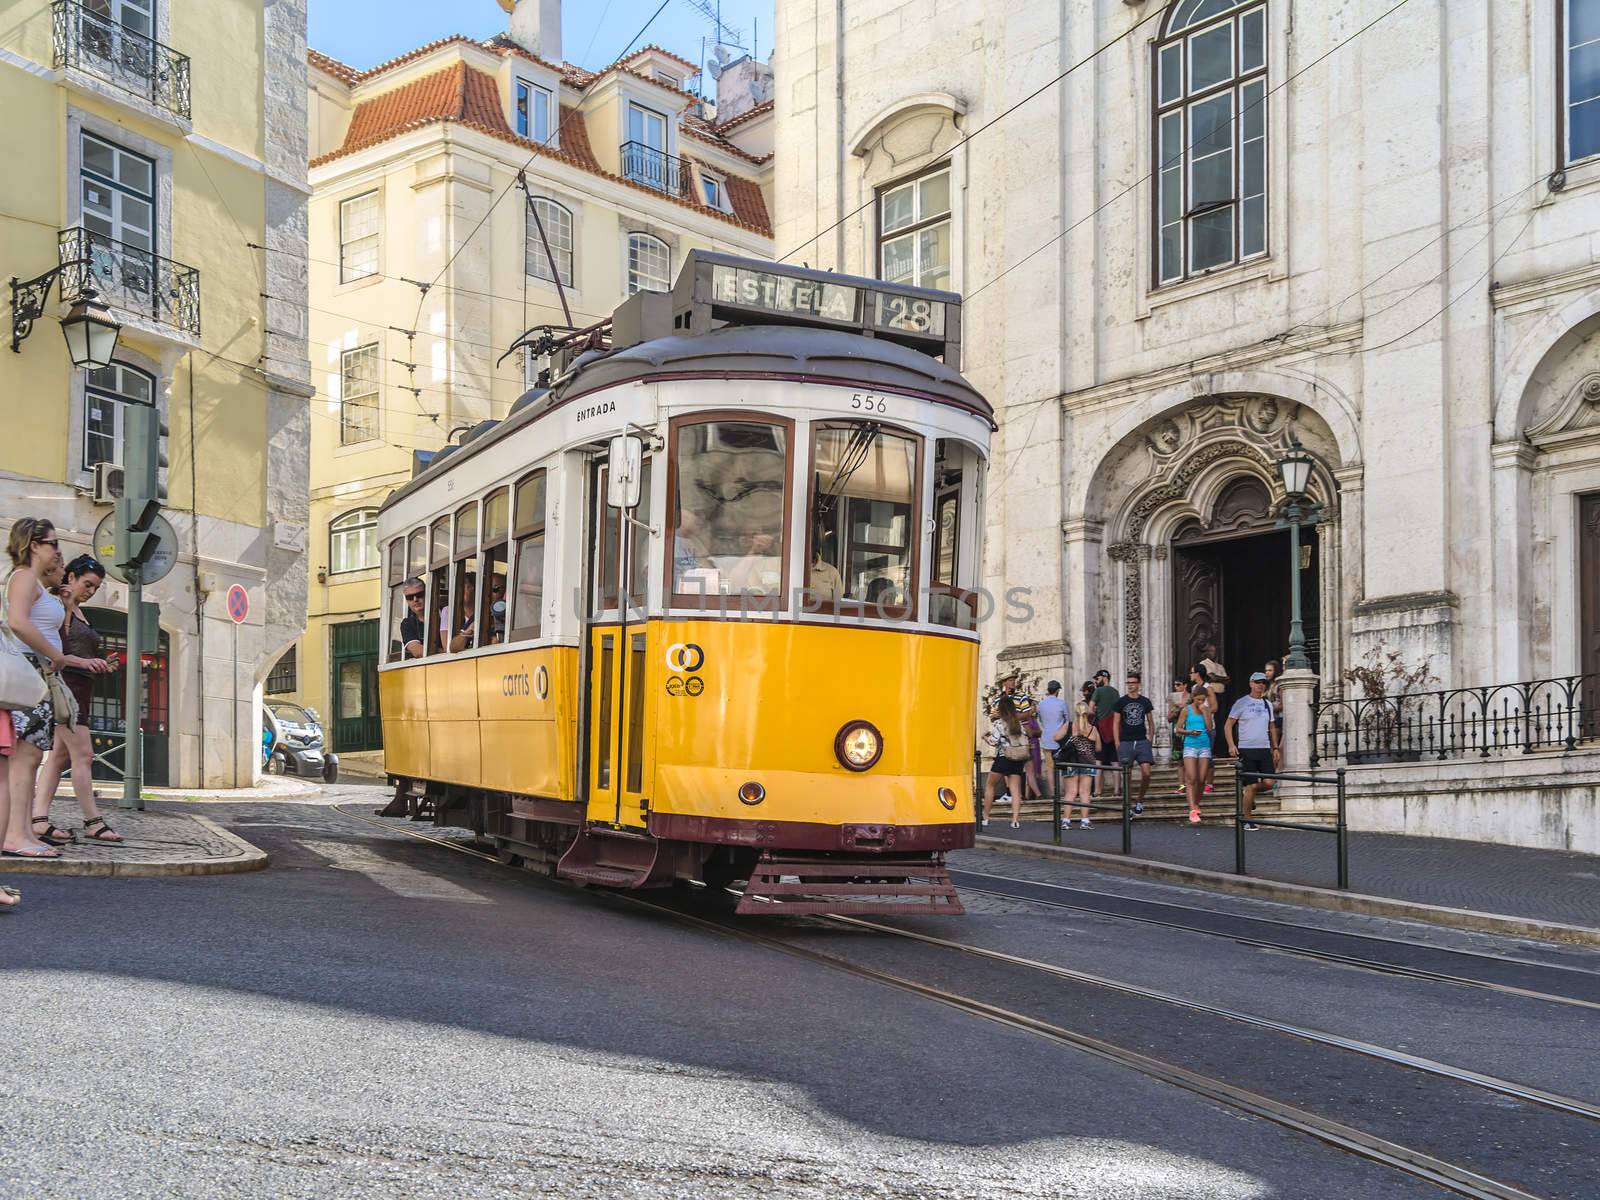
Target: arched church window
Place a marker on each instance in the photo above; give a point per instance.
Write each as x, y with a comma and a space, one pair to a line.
1210, 153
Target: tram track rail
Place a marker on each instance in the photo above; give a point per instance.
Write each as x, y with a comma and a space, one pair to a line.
1454, 1177
1212, 923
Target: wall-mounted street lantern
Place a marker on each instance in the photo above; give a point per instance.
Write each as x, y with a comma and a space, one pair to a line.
88, 327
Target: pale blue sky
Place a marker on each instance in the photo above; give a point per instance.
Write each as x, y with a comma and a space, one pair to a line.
364, 33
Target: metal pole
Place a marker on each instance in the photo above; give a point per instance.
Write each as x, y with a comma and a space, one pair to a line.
1127, 814
235, 722
1238, 820
1055, 808
1297, 659
1343, 838
133, 700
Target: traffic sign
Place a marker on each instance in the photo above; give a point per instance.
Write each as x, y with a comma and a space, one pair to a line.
238, 603
157, 566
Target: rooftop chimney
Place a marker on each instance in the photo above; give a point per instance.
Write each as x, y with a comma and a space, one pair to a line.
535, 25
741, 84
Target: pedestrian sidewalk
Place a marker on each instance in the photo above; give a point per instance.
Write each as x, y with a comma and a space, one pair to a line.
271, 787
1474, 885
157, 841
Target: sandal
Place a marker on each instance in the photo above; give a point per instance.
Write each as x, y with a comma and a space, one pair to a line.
9, 897
30, 853
98, 831
52, 836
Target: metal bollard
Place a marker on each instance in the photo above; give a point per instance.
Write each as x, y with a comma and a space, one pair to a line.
1055, 809
1238, 819
1127, 810
1343, 833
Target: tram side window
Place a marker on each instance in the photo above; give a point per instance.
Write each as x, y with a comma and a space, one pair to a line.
609, 522
496, 567
527, 604
466, 593
956, 481
728, 507
863, 521
414, 596
439, 585
394, 578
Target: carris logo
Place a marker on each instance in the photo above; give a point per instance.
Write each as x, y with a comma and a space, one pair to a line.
515, 685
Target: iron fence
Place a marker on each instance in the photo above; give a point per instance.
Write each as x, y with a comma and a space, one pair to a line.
1505, 718
96, 43
128, 277
651, 167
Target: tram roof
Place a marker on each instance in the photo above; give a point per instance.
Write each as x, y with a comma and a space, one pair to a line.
821, 356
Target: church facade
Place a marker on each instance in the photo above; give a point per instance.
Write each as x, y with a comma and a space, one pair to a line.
1191, 234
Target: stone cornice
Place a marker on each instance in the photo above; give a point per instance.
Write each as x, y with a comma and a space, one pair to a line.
1277, 352
1508, 295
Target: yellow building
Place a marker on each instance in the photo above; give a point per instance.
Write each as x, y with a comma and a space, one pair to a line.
414, 182
150, 146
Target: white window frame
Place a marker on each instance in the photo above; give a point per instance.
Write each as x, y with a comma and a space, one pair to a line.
363, 243
1564, 49
714, 190
120, 192
562, 233
539, 97
119, 407
1181, 106
366, 399
636, 276
919, 224
668, 78
361, 528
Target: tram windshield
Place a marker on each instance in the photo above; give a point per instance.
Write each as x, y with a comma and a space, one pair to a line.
728, 511
862, 520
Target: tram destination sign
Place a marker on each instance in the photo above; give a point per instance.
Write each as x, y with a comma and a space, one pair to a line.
802, 296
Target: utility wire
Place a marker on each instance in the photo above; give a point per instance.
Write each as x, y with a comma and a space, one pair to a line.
990, 124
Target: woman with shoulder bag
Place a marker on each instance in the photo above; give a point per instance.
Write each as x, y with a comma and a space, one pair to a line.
35, 616
74, 748
1079, 752
1012, 759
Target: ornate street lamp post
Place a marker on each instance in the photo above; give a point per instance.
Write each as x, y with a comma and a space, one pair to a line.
90, 331
1295, 470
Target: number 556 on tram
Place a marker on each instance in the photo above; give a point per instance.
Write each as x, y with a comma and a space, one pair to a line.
706, 608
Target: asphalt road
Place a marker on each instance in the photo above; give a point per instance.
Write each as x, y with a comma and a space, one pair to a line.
377, 1016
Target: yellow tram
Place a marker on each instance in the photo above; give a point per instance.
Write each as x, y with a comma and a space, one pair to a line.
706, 607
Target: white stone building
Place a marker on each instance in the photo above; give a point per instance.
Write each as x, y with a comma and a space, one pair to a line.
1368, 225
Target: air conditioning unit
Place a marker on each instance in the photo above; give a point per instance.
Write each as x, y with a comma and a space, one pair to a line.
108, 482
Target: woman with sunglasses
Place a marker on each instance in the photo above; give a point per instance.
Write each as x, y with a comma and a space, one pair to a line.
74, 747
35, 615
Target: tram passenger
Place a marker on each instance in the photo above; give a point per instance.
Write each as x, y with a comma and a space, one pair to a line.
690, 560
497, 607
466, 606
824, 583
757, 568
412, 627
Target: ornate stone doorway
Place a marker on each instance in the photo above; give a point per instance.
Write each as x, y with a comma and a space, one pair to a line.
1231, 585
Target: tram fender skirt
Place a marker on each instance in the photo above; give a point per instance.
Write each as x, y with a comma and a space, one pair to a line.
617, 859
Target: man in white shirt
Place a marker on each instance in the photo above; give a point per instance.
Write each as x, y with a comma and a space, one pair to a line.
1253, 738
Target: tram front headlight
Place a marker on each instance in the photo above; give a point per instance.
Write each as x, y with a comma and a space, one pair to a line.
858, 746
948, 798
752, 793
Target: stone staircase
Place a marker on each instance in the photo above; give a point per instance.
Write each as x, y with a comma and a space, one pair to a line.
1163, 801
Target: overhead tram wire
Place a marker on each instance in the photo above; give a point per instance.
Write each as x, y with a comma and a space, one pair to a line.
1158, 11
538, 150
1148, 175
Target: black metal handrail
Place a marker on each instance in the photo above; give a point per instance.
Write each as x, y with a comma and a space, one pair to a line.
126, 277
652, 167
1504, 718
101, 46
1340, 827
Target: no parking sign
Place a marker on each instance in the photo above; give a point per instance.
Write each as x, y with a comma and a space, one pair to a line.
238, 603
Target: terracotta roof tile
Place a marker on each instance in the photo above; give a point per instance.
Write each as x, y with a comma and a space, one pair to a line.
652, 48
749, 114
339, 70
466, 96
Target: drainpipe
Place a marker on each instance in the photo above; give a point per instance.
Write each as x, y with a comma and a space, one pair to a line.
839, 262
199, 600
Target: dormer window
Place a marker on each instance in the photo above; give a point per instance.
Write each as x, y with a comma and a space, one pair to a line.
668, 78
715, 191
532, 110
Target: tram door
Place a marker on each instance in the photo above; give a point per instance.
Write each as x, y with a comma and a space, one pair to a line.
619, 671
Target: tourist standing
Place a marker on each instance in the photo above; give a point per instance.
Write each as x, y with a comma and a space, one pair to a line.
1217, 677
1011, 754
1052, 716
1253, 738
1080, 748
1194, 726
1105, 702
1131, 724
35, 615
74, 748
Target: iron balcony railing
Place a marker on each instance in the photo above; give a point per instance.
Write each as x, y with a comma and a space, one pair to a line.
1474, 722
89, 39
134, 280
651, 167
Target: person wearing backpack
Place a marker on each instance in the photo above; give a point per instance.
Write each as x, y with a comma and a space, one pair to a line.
1012, 760
1253, 738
